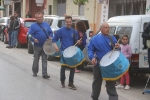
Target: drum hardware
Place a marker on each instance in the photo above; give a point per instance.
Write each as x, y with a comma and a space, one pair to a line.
77, 42
114, 48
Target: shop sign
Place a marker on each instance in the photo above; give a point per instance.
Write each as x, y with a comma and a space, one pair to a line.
104, 12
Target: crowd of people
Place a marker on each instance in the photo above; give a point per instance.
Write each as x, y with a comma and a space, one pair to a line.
100, 44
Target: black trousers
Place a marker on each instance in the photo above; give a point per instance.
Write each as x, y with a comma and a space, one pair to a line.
96, 85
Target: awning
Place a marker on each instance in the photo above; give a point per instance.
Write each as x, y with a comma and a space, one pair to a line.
1, 8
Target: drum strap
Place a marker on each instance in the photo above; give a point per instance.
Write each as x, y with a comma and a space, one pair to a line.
111, 40
44, 31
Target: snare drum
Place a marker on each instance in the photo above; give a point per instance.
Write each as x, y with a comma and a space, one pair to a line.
112, 68
72, 57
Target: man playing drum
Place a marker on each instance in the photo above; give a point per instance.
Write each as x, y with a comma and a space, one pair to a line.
101, 44
68, 37
40, 32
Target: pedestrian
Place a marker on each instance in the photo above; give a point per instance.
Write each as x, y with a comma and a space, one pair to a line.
81, 29
15, 30
10, 26
146, 36
28, 15
40, 32
126, 50
68, 37
100, 45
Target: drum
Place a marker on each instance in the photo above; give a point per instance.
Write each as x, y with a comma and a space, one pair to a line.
49, 49
72, 57
112, 68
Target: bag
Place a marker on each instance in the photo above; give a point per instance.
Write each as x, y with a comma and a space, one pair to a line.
148, 43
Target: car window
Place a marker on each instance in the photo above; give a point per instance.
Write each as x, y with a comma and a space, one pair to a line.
61, 23
28, 23
49, 21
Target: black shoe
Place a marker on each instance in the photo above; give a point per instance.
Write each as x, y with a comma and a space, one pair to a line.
8, 46
35, 75
46, 76
71, 86
62, 84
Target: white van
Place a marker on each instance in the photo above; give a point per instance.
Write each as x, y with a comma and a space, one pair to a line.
133, 26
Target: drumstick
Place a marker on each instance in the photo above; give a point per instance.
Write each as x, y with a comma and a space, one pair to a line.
114, 48
77, 42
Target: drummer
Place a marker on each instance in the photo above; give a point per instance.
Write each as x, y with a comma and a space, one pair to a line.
68, 37
101, 44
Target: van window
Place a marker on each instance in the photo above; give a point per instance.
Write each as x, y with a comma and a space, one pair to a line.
112, 30
124, 31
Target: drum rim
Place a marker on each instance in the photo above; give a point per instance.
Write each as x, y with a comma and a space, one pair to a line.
106, 54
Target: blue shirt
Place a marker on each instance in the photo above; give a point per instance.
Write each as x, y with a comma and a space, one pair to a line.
67, 36
100, 44
37, 32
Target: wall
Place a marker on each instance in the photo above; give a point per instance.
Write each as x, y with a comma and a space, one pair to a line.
54, 6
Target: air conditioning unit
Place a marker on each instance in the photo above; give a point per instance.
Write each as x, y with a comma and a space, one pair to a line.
101, 1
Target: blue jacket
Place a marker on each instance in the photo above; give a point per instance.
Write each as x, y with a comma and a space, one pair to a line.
37, 32
100, 44
67, 36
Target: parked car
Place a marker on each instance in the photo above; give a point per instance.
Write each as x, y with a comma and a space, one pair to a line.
22, 35
56, 22
4, 21
25, 23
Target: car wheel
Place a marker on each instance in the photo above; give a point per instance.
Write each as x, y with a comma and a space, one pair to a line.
30, 47
18, 45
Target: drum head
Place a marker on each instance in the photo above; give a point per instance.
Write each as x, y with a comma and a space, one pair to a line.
107, 59
70, 51
48, 47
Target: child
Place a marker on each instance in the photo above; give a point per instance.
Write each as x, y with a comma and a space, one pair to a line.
126, 50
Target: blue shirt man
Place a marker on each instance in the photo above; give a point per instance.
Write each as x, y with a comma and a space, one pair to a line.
39, 37
68, 37
101, 44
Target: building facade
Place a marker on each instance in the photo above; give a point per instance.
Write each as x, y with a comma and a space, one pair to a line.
96, 11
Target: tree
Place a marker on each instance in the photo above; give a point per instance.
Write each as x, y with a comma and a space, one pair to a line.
79, 3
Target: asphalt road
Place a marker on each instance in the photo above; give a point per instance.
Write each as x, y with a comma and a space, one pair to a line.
17, 82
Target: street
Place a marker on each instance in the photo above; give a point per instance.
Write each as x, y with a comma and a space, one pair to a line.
17, 82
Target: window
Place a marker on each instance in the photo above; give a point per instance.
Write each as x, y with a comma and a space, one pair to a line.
112, 30
61, 1
124, 31
61, 23
27, 24
126, 7
49, 21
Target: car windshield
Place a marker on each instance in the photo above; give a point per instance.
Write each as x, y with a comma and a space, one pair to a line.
124, 31
27, 24
61, 23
